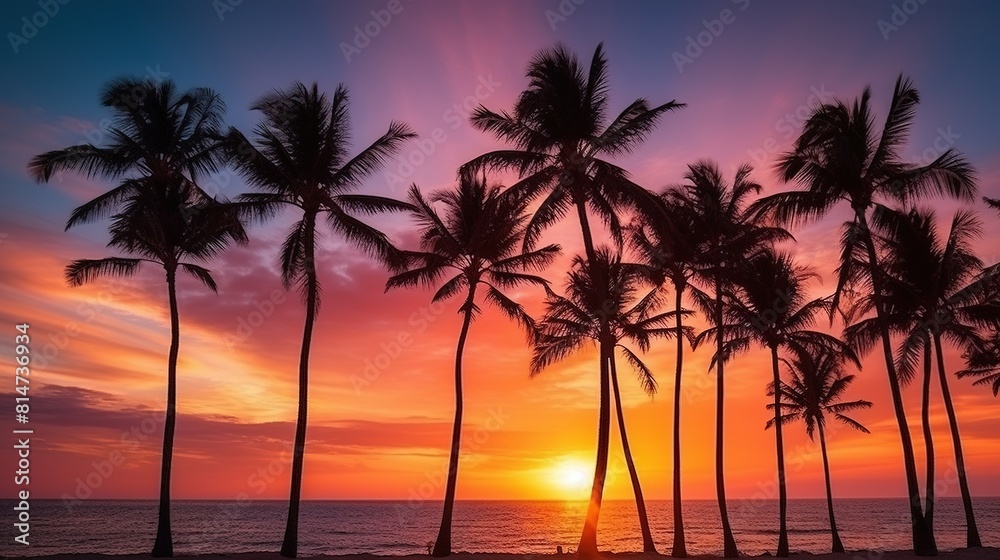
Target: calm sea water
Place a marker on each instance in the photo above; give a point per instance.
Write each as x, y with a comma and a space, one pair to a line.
386, 527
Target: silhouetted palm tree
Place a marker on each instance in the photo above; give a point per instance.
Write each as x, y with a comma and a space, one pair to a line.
667, 246
932, 290
767, 304
300, 160
161, 141
818, 382
559, 133
478, 240
726, 235
603, 306
839, 157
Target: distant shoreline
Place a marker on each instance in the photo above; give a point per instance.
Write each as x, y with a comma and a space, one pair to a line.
987, 553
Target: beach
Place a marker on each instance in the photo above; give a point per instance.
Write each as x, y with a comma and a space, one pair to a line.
959, 554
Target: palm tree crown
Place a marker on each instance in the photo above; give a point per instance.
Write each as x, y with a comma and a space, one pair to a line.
159, 138
816, 387
560, 132
478, 240
301, 160
603, 305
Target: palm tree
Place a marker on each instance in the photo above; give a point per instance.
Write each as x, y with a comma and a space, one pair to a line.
603, 306
301, 160
933, 291
839, 157
667, 246
559, 133
161, 141
767, 304
726, 234
478, 239
817, 384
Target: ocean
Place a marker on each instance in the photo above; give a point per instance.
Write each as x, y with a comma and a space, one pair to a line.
400, 527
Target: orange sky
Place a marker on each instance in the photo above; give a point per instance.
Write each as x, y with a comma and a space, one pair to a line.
380, 414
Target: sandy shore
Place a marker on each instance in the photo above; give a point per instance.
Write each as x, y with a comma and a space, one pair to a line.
960, 554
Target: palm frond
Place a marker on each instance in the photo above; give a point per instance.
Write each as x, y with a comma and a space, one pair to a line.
83, 271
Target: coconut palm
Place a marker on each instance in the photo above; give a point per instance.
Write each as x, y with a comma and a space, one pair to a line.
478, 239
840, 157
603, 305
301, 161
559, 134
767, 304
168, 231
933, 291
161, 141
817, 384
667, 246
726, 234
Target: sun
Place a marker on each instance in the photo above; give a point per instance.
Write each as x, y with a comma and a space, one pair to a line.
573, 476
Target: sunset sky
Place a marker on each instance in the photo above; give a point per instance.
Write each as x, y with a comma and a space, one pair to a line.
381, 411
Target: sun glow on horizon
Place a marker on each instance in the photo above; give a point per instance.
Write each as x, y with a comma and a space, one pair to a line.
572, 476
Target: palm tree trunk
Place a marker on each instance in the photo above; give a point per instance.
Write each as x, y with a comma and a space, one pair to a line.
588, 540
971, 531
925, 420
923, 536
640, 504
290, 544
443, 545
680, 547
163, 546
838, 547
588, 240
780, 444
729, 542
